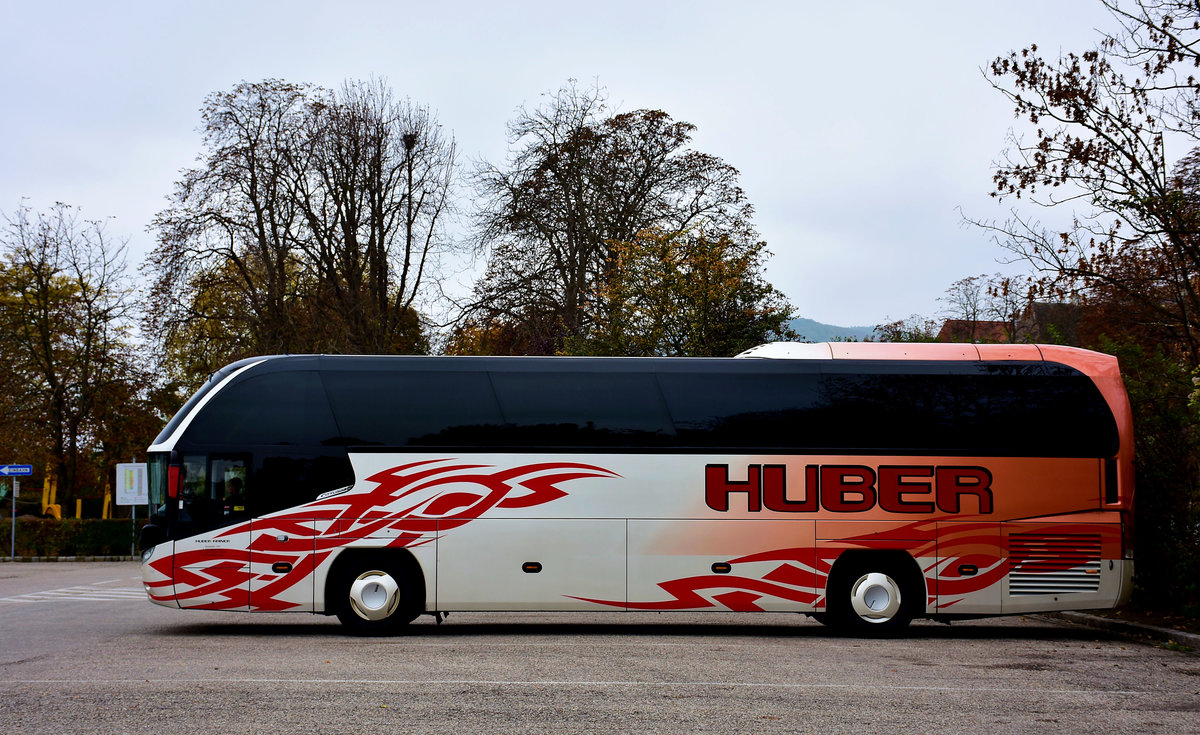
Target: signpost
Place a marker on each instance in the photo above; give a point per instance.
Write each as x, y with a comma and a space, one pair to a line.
14, 471
132, 489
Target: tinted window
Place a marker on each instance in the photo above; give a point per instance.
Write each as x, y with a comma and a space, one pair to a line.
272, 408
744, 410
908, 412
401, 407
871, 407
182, 413
197, 511
580, 409
980, 409
285, 478
928, 408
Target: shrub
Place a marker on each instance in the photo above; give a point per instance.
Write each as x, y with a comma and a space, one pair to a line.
70, 537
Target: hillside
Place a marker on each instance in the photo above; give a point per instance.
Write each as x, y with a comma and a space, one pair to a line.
814, 331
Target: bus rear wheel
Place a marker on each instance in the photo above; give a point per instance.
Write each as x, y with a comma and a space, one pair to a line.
872, 596
376, 594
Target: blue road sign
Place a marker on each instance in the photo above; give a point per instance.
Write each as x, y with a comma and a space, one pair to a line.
16, 470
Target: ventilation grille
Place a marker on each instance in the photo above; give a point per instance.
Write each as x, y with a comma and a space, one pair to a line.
1044, 564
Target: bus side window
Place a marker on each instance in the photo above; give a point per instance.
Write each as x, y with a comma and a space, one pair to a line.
195, 504
235, 501
286, 480
582, 409
229, 486
288, 408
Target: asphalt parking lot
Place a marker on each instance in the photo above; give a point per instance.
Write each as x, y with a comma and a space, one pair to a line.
83, 652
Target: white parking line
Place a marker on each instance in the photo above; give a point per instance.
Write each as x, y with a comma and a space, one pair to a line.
558, 683
87, 593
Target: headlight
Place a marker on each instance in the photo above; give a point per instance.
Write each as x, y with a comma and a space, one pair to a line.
146, 554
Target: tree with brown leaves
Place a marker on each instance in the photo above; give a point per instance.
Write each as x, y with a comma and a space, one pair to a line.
578, 179
1106, 124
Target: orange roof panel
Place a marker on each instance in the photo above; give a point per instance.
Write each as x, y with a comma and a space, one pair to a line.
903, 351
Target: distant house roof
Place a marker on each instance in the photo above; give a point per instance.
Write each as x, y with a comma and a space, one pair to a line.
965, 330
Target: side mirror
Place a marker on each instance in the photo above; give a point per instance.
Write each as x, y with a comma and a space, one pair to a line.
151, 535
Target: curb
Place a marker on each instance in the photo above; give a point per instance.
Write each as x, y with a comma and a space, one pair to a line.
1134, 630
21, 559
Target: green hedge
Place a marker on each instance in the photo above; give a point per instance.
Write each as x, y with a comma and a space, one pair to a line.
70, 537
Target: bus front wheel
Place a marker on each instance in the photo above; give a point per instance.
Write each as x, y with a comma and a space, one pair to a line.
872, 595
376, 594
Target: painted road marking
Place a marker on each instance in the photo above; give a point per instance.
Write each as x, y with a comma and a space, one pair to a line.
1025, 690
85, 593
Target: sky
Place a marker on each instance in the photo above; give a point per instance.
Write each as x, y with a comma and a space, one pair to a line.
864, 132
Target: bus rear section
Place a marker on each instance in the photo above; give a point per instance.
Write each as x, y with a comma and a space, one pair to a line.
859, 486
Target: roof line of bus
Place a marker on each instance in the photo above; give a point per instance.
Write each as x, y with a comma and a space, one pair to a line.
1088, 362
1100, 367
911, 351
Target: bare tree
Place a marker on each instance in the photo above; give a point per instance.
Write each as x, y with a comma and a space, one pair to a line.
988, 308
965, 301
313, 223
915, 328
578, 178
226, 271
375, 200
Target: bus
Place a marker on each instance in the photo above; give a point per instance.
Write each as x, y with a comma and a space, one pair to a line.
863, 484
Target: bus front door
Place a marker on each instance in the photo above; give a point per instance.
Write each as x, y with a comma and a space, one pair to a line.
281, 565
212, 556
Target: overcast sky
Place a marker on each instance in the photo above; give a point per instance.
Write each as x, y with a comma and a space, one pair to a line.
859, 128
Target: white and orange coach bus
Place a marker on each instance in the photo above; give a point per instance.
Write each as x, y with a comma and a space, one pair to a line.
863, 484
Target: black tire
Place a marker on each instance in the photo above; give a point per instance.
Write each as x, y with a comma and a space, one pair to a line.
873, 595
376, 593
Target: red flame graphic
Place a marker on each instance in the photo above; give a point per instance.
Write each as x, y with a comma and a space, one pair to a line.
416, 502
978, 544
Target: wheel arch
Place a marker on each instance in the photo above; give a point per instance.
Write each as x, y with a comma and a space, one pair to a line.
899, 559
354, 557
